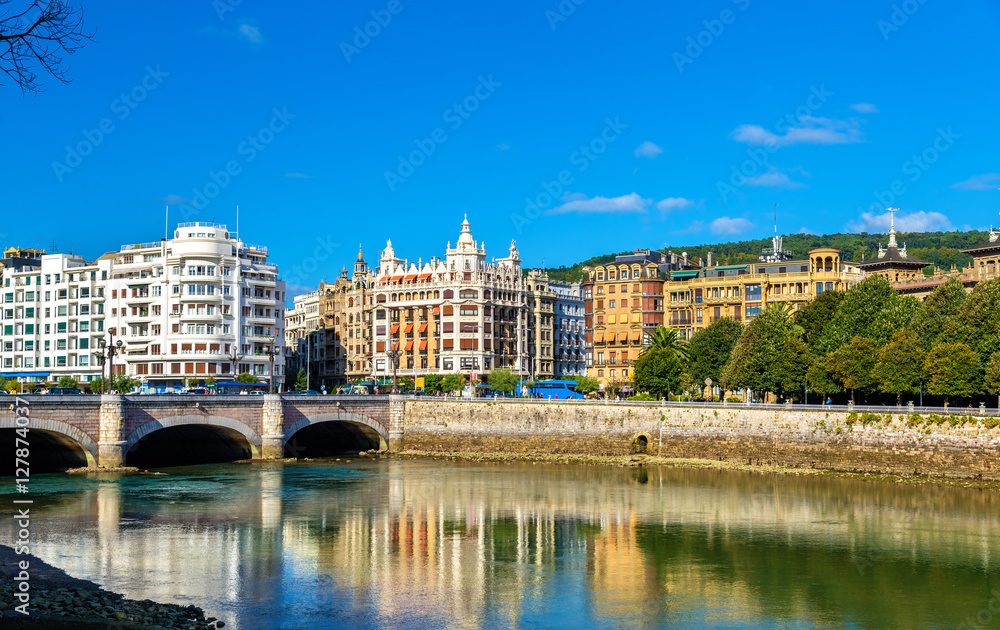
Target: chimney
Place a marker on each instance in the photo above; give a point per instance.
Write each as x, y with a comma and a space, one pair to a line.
710, 259
685, 255
701, 263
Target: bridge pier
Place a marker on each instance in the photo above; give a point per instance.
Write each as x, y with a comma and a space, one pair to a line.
396, 423
111, 446
272, 442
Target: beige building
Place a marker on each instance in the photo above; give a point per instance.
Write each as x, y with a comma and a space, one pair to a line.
696, 298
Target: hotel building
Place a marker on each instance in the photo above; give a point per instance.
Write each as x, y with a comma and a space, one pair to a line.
187, 308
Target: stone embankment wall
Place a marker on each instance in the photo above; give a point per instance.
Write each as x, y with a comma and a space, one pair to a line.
891, 443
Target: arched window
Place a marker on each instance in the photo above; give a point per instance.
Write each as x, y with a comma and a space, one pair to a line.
449, 294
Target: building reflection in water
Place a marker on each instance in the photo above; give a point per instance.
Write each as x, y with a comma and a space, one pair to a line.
429, 544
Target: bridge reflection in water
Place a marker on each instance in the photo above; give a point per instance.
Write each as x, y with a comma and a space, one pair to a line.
429, 544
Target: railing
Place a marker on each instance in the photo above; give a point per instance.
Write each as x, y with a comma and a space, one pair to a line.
126, 248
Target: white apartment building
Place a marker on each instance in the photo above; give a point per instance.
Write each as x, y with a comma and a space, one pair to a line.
188, 308
461, 313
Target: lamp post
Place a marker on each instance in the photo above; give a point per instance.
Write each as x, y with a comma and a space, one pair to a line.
112, 349
921, 377
234, 357
270, 357
393, 356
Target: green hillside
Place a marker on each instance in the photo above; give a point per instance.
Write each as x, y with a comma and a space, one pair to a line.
938, 248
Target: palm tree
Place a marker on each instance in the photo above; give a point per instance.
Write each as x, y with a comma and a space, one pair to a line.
667, 339
789, 314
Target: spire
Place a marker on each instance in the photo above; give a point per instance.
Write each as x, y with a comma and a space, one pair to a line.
360, 257
465, 238
892, 227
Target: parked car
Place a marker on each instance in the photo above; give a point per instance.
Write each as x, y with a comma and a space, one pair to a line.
257, 392
200, 391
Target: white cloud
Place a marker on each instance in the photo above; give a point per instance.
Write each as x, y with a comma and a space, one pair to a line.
774, 178
987, 181
864, 108
674, 203
695, 227
631, 203
251, 34
649, 150
805, 230
298, 176
913, 222
813, 131
727, 225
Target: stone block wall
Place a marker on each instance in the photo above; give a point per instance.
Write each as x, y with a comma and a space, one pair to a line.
788, 437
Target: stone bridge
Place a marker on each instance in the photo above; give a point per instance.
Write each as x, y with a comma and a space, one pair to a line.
108, 431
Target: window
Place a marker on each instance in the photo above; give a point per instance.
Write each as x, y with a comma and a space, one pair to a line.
467, 294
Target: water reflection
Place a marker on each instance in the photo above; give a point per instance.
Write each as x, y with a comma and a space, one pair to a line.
428, 544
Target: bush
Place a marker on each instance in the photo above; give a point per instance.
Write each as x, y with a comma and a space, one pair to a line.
734, 399
643, 397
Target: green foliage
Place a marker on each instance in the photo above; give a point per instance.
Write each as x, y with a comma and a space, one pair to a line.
432, 383
992, 380
753, 363
820, 379
937, 310
246, 378
871, 309
710, 349
793, 365
99, 386
657, 372
67, 381
977, 323
11, 385
667, 339
953, 369
503, 381
643, 398
900, 365
453, 382
853, 365
587, 384
301, 381
815, 316
291, 377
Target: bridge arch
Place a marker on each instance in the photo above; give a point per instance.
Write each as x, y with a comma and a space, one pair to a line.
220, 428
65, 435
344, 418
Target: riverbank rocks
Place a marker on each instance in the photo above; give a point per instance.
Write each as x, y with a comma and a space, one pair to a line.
62, 602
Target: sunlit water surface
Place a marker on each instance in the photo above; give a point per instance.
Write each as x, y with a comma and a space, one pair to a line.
431, 544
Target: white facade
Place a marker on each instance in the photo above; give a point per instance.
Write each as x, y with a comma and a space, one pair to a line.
184, 308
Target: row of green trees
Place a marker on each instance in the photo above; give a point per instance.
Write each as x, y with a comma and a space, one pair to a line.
867, 341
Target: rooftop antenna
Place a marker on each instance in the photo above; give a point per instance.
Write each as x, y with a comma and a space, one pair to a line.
775, 219
55, 250
237, 222
166, 222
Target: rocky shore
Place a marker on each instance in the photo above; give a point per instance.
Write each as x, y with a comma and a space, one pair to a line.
62, 602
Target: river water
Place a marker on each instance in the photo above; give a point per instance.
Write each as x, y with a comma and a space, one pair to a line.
439, 544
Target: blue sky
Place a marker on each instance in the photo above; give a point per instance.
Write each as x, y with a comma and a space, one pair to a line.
576, 129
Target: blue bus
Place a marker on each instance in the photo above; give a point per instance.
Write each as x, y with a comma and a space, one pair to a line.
549, 390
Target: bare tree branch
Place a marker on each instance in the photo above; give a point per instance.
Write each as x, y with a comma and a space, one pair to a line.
39, 35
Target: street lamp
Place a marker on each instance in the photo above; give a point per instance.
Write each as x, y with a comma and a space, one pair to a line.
393, 356
921, 377
270, 357
234, 357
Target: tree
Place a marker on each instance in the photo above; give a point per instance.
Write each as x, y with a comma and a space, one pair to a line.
587, 384
99, 385
67, 381
755, 359
503, 381
616, 385
871, 309
301, 383
815, 316
432, 383
820, 379
977, 323
246, 378
453, 382
667, 339
853, 365
11, 385
39, 34
710, 349
953, 369
944, 303
793, 366
291, 377
900, 365
992, 380
658, 372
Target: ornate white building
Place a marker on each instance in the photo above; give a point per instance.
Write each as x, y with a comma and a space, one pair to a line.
187, 308
461, 313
